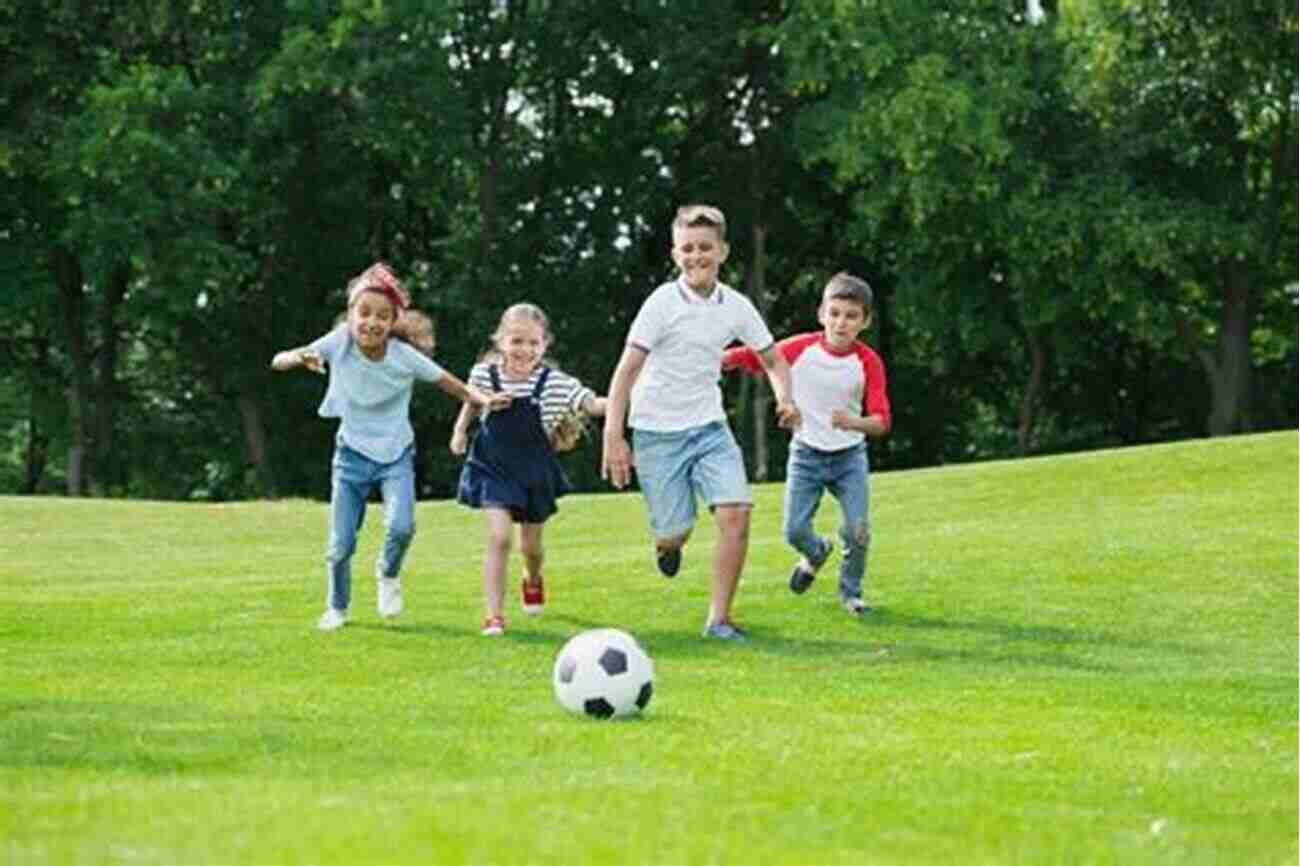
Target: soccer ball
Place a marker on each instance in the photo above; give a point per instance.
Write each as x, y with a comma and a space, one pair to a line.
603, 673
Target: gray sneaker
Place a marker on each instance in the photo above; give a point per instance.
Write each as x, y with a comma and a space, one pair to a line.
724, 631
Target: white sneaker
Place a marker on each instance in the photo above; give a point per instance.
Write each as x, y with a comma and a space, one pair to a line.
332, 619
390, 596
855, 606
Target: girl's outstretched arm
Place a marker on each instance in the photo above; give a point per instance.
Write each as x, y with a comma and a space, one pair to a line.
303, 356
460, 432
458, 389
594, 405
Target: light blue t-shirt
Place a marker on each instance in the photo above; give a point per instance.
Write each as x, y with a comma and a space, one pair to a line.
372, 399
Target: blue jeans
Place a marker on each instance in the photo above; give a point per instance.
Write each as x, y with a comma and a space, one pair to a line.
808, 473
353, 478
675, 467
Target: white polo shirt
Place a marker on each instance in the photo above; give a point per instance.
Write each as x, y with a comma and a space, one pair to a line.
685, 336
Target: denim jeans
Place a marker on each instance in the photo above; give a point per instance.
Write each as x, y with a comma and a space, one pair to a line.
808, 473
354, 477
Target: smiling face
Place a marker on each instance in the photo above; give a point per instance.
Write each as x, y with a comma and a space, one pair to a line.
522, 343
370, 319
699, 252
842, 319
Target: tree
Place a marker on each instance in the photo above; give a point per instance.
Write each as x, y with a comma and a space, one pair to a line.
1199, 101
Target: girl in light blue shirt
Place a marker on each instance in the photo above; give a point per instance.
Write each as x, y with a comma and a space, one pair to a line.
370, 383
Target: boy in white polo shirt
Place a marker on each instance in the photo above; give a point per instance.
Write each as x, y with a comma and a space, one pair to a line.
839, 383
669, 373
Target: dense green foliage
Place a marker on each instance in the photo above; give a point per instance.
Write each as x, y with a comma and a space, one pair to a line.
1081, 228
1076, 660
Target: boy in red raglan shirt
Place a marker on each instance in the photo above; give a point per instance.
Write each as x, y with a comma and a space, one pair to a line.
839, 387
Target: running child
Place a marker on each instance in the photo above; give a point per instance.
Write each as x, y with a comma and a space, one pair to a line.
369, 391
839, 384
511, 473
683, 446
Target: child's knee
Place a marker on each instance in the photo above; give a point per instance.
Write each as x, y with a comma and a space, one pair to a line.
340, 550
499, 542
857, 534
733, 522
795, 533
402, 531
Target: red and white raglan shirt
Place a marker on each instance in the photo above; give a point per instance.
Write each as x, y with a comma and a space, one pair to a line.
824, 379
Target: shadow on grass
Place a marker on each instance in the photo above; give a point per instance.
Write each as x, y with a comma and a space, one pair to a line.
891, 638
458, 634
1013, 632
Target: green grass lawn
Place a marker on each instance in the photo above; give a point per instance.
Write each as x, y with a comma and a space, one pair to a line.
1088, 659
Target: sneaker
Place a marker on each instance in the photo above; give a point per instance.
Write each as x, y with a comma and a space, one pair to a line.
390, 596
493, 626
534, 595
856, 606
669, 562
724, 630
332, 619
805, 572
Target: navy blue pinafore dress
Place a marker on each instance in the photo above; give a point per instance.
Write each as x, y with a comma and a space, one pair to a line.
511, 464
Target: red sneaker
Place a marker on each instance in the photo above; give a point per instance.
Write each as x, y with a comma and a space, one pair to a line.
493, 626
534, 596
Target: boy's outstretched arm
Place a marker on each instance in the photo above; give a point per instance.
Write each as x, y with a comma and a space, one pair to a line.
778, 373
616, 461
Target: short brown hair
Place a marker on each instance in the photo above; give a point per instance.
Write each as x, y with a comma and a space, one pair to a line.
693, 215
846, 287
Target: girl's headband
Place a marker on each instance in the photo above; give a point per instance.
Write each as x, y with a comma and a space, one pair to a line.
378, 278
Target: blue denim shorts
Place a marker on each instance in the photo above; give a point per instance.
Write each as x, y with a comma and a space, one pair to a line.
677, 467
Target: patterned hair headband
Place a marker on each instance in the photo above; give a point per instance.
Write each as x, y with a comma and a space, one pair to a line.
378, 278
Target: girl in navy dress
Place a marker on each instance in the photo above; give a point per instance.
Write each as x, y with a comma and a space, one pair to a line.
511, 472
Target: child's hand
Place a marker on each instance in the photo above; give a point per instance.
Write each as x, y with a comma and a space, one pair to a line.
788, 416
488, 402
842, 419
312, 361
616, 461
459, 442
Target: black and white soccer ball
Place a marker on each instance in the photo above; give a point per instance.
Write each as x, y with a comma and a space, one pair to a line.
603, 673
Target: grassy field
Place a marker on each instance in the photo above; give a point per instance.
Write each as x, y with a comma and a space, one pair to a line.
1088, 659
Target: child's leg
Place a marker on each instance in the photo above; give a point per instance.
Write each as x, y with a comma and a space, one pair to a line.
530, 545
804, 482
500, 528
663, 465
397, 484
347, 512
851, 486
728, 558
718, 476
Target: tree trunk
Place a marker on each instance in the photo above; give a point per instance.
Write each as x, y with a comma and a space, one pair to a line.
37, 454
1230, 377
108, 468
1031, 398
1227, 366
250, 416
761, 404
69, 279
38, 442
